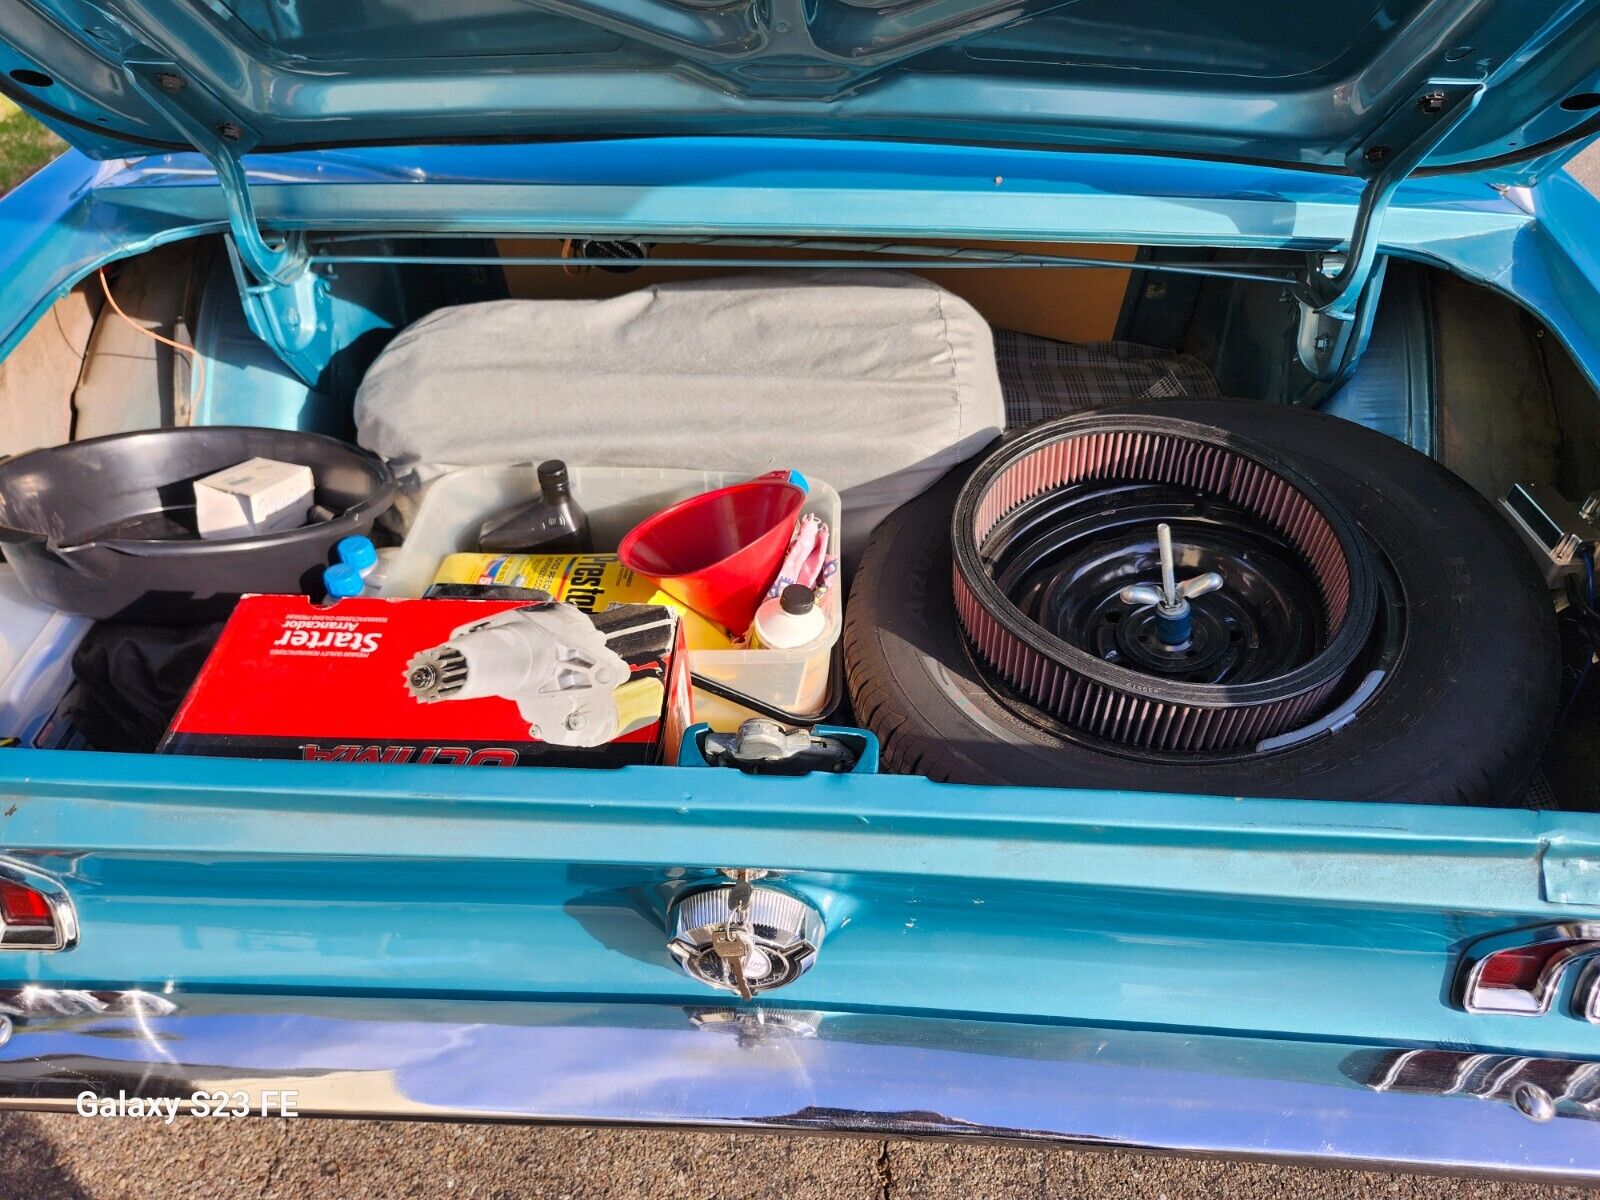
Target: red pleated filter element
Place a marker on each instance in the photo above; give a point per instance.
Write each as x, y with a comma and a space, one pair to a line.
1119, 703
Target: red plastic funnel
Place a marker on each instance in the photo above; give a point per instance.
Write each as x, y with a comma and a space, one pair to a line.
719, 551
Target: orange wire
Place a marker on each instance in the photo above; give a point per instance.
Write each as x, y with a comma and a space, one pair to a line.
197, 364
572, 270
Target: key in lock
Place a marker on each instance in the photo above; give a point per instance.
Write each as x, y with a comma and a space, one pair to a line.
744, 938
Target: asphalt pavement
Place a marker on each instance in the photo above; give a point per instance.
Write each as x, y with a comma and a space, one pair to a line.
83, 1158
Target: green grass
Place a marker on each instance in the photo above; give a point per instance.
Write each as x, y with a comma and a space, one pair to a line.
25, 145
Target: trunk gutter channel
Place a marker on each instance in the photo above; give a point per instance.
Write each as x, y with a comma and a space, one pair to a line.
288, 307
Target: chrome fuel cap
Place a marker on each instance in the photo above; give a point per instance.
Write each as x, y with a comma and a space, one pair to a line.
777, 934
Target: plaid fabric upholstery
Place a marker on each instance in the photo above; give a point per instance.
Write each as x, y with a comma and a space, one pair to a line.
1041, 378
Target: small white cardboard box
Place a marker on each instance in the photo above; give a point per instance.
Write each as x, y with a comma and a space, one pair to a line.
259, 495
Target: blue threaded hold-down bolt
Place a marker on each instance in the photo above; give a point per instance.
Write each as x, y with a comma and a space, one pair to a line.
1174, 619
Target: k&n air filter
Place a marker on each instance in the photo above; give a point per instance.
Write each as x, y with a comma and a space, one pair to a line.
1159, 584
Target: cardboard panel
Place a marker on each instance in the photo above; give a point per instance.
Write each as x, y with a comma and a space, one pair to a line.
1079, 305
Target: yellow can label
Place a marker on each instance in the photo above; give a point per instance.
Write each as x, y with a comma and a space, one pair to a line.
589, 582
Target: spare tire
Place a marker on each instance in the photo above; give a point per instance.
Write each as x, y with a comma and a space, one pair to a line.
1464, 709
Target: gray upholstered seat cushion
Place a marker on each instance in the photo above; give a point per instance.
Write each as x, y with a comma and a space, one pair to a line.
877, 382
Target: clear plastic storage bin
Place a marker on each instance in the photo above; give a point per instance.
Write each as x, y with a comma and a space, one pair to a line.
36, 645
616, 499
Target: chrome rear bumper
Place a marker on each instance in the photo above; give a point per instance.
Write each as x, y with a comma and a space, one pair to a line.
784, 1069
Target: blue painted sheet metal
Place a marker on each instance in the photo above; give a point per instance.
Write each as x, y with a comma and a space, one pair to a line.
73, 216
1299, 919
1246, 79
1317, 919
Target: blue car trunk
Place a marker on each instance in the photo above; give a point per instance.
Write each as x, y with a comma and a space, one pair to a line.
1284, 197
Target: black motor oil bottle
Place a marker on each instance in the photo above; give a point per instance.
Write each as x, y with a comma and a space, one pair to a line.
553, 521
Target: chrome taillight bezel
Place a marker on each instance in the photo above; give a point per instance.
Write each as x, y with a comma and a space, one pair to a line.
1586, 995
1570, 942
60, 934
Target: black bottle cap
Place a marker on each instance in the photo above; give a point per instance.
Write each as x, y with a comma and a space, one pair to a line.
797, 599
553, 475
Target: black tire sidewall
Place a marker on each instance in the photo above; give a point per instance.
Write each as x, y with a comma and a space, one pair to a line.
1460, 719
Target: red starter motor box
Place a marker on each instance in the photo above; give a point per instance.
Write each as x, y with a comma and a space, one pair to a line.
475, 682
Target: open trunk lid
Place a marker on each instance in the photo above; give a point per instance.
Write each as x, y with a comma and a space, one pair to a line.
1344, 85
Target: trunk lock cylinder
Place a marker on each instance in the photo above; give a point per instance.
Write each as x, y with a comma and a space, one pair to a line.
744, 938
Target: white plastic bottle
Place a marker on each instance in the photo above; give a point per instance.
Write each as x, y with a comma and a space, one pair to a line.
789, 620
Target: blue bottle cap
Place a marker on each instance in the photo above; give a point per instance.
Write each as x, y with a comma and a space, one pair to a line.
342, 580
357, 551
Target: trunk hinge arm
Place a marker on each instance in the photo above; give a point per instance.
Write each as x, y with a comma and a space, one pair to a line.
1336, 283
285, 302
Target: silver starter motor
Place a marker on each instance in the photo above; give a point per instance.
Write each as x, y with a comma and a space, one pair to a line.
549, 659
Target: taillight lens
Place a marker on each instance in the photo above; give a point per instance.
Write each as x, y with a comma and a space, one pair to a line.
21, 905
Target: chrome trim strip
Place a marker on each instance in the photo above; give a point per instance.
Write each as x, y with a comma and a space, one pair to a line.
776, 1068
1586, 995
